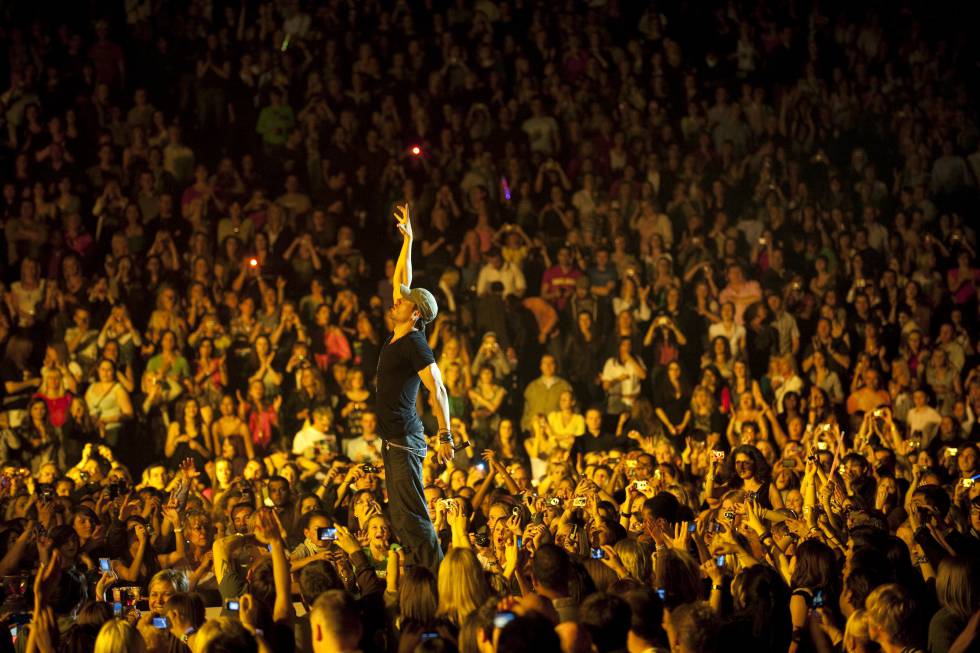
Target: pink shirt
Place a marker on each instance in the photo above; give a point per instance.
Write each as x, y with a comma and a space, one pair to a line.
747, 293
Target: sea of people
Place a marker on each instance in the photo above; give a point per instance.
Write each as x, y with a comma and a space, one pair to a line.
708, 304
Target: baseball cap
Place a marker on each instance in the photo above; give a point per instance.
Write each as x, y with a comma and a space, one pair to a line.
422, 299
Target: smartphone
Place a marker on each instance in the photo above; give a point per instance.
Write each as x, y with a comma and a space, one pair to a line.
818, 600
368, 468
232, 605
160, 623
821, 446
117, 608
503, 618
717, 456
631, 464
715, 527
662, 593
720, 561
579, 502
482, 467
105, 565
598, 553
952, 452
692, 527
641, 485
789, 463
482, 540
729, 515
430, 635
967, 483
520, 542
326, 534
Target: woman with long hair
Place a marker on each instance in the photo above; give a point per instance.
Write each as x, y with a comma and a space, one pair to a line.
55, 396
761, 618
210, 373
230, 426
108, 403
746, 469
463, 585
816, 576
261, 415
39, 441
719, 355
958, 591
187, 436
672, 401
418, 599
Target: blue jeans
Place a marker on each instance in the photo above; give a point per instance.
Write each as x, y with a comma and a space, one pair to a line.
406, 501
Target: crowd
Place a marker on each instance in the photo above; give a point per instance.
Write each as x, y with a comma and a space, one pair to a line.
708, 303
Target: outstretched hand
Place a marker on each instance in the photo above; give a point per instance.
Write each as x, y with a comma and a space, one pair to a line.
404, 221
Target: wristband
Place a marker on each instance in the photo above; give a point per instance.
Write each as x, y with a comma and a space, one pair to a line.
178, 530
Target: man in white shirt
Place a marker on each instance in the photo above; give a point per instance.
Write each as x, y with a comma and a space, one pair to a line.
316, 434
367, 447
497, 270
541, 130
621, 378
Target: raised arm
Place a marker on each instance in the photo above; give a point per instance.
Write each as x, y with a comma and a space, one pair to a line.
403, 267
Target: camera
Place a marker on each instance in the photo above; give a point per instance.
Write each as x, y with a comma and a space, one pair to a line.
326, 534
368, 468
717, 456
232, 605
597, 553
578, 502
641, 485
482, 540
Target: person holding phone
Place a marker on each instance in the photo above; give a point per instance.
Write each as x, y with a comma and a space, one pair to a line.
405, 362
318, 536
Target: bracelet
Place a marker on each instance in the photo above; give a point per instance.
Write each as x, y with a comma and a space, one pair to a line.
445, 438
178, 530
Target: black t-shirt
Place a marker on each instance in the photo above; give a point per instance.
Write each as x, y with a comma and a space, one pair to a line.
589, 443
398, 384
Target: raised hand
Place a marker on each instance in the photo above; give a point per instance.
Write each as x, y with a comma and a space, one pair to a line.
404, 221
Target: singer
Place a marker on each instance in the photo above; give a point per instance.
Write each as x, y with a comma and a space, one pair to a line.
404, 362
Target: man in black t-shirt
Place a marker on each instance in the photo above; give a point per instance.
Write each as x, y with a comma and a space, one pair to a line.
405, 362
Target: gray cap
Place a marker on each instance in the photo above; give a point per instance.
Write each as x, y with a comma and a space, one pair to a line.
423, 299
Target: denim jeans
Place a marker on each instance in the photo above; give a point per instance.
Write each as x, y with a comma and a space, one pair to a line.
406, 502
